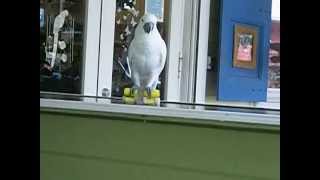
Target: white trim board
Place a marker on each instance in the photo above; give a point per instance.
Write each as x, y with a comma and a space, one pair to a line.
204, 22
105, 65
219, 116
91, 47
174, 46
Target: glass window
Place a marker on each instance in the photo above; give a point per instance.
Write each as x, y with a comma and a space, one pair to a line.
127, 17
61, 45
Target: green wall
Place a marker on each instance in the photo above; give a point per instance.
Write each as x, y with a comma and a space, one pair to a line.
86, 147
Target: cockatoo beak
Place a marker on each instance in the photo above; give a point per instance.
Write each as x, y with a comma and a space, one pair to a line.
148, 27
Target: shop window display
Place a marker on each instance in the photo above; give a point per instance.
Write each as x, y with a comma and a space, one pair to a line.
61, 45
128, 14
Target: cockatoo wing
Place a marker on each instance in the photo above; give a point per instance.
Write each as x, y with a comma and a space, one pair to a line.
130, 55
163, 55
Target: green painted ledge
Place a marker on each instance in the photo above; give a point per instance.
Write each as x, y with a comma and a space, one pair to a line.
91, 145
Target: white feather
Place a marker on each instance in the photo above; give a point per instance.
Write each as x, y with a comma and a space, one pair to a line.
147, 55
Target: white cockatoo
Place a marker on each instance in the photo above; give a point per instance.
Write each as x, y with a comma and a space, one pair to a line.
57, 25
146, 56
59, 21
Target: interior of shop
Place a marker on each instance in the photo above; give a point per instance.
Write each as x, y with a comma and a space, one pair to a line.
61, 67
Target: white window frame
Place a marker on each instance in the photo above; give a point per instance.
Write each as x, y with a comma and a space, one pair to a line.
201, 79
188, 71
99, 42
105, 65
174, 45
175, 42
98, 52
91, 47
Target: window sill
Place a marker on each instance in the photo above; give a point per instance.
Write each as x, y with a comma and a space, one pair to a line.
196, 115
273, 101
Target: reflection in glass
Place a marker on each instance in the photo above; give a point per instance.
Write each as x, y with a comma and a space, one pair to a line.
61, 45
128, 14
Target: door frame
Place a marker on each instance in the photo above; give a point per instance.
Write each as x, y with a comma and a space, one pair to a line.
195, 51
202, 56
189, 54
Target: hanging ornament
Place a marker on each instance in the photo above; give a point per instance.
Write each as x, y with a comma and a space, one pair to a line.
118, 21
62, 45
125, 3
121, 36
124, 17
135, 12
63, 58
127, 31
133, 23
119, 10
125, 6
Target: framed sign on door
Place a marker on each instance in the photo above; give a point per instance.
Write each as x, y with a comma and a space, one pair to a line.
245, 46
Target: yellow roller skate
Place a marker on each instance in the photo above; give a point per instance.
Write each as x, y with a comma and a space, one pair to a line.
129, 97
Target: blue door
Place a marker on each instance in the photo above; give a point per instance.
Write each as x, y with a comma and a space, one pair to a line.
238, 83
